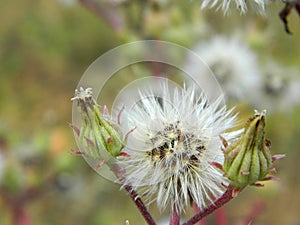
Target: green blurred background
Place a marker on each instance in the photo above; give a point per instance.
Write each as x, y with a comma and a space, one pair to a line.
45, 47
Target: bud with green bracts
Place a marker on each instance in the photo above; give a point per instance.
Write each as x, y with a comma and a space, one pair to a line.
98, 137
249, 159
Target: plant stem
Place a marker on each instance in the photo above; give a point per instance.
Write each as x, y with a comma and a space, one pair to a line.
108, 15
226, 197
120, 173
139, 204
196, 210
175, 217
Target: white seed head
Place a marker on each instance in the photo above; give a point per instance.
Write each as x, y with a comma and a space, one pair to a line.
175, 140
241, 5
280, 88
233, 64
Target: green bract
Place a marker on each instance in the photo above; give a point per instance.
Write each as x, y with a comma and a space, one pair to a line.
97, 135
249, 159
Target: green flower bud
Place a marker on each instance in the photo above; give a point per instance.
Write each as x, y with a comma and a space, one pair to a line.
249, 159
97, 135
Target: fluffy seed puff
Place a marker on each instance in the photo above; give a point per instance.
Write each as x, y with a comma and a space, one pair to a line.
175, 141
233, 63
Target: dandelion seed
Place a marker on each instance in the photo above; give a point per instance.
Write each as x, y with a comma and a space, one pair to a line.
175, 140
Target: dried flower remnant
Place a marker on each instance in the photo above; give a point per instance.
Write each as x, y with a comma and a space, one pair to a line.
176, 138
99, 137
249, 160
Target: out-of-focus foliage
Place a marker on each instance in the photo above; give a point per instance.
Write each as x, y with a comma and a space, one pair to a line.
45, 46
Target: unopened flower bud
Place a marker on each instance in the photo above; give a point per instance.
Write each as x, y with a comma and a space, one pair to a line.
249, 159
97, 135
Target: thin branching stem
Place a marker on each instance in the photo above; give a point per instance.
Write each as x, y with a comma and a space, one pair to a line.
139, 204
226, 197
120, 173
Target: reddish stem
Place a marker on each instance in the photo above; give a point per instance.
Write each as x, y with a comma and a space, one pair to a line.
196, 210
110, 17
120, 173
226, 197
20, 216
139, 204
175, 217
17, 203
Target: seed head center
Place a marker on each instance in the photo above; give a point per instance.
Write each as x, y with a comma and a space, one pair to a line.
173, 146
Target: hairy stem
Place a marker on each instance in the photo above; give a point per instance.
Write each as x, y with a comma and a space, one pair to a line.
139, 204
226, 197
120, 173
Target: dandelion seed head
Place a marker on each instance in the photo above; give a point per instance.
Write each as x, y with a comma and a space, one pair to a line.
279, 90
176, 138
233, 64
